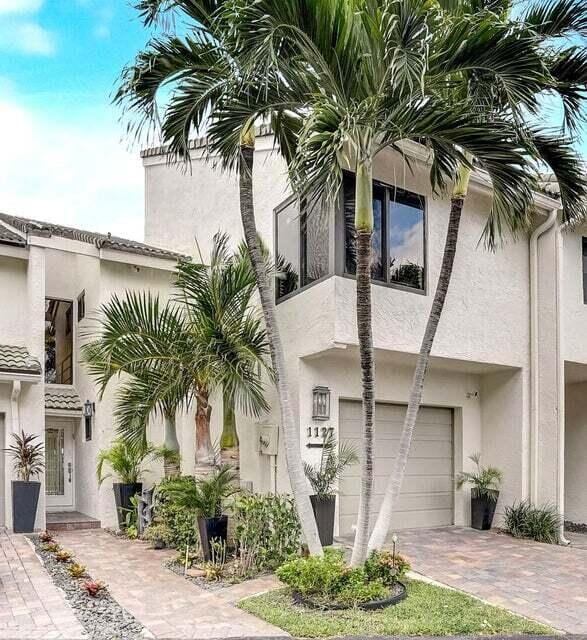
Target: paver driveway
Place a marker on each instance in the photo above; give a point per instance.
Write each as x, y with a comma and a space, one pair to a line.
168, 605
540, 581
31, 606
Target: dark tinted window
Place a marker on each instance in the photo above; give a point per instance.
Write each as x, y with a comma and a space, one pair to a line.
398, 235
58, 342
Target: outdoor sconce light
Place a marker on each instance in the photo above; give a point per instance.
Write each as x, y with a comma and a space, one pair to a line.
88, 409
321, 403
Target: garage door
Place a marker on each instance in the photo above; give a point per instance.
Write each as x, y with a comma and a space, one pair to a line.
426, 499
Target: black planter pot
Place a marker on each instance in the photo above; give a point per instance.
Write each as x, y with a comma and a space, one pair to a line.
211, 530
482, 511
122, 496
324, 514
25, 498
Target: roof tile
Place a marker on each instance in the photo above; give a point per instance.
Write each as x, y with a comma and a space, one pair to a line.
62, 398
15, 359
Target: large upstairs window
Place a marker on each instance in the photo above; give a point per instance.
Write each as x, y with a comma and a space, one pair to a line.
301, 246
398, 237
58, 341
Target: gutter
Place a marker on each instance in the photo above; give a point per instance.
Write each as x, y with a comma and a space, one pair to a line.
547, 225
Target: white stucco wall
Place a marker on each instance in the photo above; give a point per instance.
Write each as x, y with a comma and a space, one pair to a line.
576, 453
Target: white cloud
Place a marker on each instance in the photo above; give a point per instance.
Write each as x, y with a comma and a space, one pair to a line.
71, 174
26, 37
20, 6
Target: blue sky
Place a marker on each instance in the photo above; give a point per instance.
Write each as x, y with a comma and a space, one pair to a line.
64, 154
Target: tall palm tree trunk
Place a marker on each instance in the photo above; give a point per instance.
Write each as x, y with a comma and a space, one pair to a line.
395, 481
205, 457
229, 442
171, 466
291, 432
364, 227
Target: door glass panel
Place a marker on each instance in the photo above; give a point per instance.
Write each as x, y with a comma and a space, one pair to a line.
54, 452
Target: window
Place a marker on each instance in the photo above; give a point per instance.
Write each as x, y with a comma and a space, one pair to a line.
58, 342
81, 306
302, 246
398, 237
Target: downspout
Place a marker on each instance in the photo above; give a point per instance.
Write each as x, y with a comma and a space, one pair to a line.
560, 375
14, 405
534, 364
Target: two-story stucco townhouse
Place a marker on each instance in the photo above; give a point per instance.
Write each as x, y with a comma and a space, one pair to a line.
509, 368
51, 280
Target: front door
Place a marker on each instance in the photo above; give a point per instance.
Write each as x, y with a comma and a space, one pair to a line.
59, 476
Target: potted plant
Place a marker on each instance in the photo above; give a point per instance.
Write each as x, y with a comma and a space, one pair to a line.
126, 462
485, 483
29, 461
322, 478
206, 497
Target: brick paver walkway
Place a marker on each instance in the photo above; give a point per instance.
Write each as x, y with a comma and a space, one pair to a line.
168, 605
540, 581
31, 606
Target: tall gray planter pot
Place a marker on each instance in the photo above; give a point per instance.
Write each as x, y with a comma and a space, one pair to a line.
25, 499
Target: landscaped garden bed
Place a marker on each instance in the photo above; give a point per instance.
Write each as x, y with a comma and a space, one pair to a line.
98, 612
428, 610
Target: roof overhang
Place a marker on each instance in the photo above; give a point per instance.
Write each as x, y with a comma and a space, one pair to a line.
10, 376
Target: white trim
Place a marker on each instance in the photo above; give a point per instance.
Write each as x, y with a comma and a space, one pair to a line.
14, 251
7, 376
163, 263
64, 413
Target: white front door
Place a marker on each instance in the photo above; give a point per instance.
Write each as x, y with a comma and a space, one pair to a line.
59, 471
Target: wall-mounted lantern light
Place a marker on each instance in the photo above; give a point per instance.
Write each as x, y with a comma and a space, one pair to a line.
88, 412
321, 403
88, 409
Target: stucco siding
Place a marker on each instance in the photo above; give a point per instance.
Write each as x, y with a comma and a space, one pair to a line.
576, 453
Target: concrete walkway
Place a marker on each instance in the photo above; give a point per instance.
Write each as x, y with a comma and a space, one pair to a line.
168, 605
31, 606
545, 582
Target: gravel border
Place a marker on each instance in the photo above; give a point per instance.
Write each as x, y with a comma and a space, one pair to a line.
102, 617
209, 585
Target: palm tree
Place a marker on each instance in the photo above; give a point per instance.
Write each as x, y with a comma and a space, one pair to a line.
206, 73
374, 73
565, 75
209, 338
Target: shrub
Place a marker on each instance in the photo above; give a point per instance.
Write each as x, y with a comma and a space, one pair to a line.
52, 547
180, 520
523, 520
77, 570
93, 587
63, 556
386, 566
158, 531
266, 527
45, 536
329, 580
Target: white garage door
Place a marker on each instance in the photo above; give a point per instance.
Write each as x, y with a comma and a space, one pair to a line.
426, 499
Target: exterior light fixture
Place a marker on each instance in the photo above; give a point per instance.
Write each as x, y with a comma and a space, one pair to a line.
88, 409
321, 403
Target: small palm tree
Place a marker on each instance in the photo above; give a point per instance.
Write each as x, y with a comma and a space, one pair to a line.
486, 481
125, 462
333, 461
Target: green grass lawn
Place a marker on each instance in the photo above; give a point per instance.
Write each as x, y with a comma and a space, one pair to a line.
428, 610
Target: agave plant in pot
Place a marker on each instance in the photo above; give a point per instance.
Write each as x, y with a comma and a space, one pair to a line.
322, 478
126, 463
206, 498
485, 483
29, 461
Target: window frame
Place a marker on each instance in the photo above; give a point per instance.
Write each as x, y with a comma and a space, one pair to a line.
81, 303
73, 345
341, 239
301, 251
583, 266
